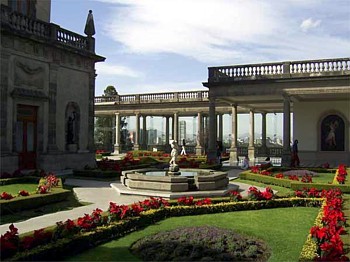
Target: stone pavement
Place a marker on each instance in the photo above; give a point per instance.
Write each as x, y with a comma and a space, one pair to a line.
99, 194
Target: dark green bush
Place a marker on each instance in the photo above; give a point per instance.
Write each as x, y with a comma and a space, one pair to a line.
19, 180
198, 243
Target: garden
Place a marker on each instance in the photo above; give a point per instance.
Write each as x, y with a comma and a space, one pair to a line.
108, 168
310, 214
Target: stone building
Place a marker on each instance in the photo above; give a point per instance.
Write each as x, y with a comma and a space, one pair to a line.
47, 89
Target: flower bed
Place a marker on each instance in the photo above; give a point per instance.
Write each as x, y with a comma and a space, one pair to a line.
90, 230
324, 242
294, 182
49, 191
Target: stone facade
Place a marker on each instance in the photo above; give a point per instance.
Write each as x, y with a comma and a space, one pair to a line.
56, 80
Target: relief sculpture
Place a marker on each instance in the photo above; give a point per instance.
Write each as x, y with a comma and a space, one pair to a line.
29, 75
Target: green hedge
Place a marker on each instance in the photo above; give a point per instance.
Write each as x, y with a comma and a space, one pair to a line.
96, 173
67, 247
19, 180
293, 184
33, 201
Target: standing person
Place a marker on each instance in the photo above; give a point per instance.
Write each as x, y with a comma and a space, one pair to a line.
295, 158
245, 164
219, 150
183, 150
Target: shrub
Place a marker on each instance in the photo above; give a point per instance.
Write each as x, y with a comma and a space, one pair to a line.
201, 243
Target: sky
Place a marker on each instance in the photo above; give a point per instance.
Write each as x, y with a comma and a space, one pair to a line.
167, 45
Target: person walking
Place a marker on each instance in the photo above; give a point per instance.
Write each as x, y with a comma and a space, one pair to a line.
295, 162
183, 150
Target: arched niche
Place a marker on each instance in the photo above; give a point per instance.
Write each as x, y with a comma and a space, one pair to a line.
332, 133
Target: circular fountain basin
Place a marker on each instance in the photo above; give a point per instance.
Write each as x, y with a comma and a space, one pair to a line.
155, 182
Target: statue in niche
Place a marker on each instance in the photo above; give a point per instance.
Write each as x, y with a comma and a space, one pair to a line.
332, 134
71, 128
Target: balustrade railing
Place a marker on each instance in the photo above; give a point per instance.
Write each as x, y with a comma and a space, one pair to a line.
18, 22
154, 97
307, 68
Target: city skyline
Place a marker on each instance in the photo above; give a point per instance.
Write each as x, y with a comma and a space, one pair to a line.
273, 124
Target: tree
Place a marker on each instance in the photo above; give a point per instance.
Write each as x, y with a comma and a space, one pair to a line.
110, 91
105, 128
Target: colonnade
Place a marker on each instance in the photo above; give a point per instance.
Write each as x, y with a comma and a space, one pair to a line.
215, 132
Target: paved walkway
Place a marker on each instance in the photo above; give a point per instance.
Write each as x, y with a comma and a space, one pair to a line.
96, 192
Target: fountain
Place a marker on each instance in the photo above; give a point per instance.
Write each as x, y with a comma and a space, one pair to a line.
173, 182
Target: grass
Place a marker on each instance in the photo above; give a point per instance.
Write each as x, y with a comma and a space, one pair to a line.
68, 204
284, 230
324, 178
13, 189
282, 191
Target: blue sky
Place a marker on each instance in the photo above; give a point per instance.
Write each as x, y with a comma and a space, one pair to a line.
167, 45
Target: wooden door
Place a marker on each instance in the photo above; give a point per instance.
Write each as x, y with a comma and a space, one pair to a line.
26, 136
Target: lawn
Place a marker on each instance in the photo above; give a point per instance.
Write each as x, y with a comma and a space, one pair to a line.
284, 230
16, 217
324, 178
13, 189
282, 191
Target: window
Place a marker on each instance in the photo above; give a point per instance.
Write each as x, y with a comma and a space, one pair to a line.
26, 7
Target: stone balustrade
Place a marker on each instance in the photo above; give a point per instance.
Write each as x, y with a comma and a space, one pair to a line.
17, 22
306, 68
169, 97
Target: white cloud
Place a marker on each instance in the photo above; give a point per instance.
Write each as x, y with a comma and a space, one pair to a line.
309, 23
116, 70
228, 31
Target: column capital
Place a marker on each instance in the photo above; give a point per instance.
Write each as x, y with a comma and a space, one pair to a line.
286, 96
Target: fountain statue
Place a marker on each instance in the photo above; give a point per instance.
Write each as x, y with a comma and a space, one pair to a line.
173, 167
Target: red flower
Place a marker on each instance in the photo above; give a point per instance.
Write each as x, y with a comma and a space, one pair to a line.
6, 196
23, 193
235, 196
280, 175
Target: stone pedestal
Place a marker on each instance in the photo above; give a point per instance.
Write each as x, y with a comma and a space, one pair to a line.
233, 156
199, 150
174, 168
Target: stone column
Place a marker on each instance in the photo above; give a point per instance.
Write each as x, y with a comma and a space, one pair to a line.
5, 129
199, 147
251, 150
233, 150
176, 127
144, 132
117, 135
137, 132
220, 129
212, 131
263, 134
91, 121
167, 132
286, 155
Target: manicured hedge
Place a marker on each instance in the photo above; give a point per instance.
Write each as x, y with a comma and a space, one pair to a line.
67, 247
32, 201
19, 180
98, 173
295, 185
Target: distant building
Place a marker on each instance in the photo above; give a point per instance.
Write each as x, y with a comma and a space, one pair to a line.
47, 90
182, 134
152, 136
